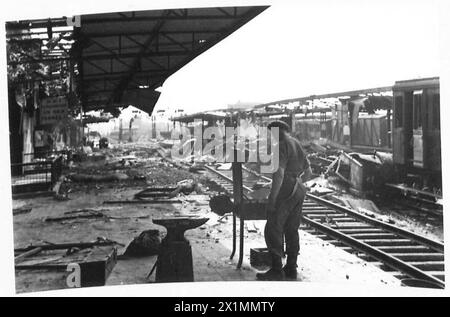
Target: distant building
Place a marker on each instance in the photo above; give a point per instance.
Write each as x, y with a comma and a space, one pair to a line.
240, 105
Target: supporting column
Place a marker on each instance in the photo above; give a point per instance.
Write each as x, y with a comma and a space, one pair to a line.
238, 198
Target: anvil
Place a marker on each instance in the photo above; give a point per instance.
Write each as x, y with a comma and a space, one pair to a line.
174, 262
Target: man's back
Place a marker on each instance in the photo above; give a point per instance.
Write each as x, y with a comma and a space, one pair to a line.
293, 160
297, 161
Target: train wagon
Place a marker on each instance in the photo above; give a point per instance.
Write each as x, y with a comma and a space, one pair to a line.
416, 129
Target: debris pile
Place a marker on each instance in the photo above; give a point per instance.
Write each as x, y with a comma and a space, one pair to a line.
146, 244
221, 205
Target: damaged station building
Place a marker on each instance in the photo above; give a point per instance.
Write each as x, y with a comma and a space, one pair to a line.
99, 198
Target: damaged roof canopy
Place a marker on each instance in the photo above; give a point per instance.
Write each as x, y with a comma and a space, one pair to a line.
123, 57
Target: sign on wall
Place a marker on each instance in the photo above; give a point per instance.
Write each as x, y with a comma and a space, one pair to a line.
53, 110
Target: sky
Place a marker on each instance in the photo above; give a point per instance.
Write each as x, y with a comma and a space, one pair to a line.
301, 48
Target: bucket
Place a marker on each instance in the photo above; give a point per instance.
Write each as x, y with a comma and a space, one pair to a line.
260, 257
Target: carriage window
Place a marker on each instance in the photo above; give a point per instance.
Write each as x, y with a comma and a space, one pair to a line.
436, 111
417, 106
398, 112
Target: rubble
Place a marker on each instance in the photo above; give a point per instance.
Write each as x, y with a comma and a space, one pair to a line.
221, 205
224, 167
319, 190
186, 187
146, 244
364, 206
149, 186
363, 173
83, 214
21, 210
97, 178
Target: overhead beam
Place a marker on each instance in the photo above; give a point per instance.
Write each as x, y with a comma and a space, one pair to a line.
147, 33
103, 57
329, 95
136, 55
117, 95
27, 24
160, 18
35, 24
168, 45
118, 75
114, 55
113, 34
105, 91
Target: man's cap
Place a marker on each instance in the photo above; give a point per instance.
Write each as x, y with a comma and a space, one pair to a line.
280, 125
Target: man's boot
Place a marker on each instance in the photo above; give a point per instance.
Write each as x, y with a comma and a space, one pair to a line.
275, 273
290, 269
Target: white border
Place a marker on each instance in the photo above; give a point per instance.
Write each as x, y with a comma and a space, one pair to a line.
29, 9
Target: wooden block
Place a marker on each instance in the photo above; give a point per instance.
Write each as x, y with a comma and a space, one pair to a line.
98, 266
22, 256
95, 264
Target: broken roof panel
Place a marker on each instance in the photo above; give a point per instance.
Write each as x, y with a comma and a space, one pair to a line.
123, 57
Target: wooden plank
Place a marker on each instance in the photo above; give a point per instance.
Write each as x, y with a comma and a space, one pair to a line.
142, 201
62, 246
79, 216
413, 190
22, 256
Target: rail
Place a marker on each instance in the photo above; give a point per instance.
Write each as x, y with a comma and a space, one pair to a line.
406, 254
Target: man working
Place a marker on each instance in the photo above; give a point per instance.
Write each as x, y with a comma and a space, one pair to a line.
284, 205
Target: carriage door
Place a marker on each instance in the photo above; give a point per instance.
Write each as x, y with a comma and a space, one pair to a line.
432, 135
417, 129
398, 136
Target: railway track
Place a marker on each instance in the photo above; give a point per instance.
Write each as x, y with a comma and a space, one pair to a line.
393, 249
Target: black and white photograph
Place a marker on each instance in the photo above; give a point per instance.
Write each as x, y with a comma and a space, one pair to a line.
188, 144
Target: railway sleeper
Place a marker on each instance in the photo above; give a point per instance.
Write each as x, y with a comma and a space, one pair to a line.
354, 222
352, 226
400, 275
336, 222
309, 212
318, 210
410, 257
361, 230
339, 220
435, 266
406, 249
438, 274
381, 235
425, 266
322, 236
419, 256
325, 215
389, 242
386, 268
382, 242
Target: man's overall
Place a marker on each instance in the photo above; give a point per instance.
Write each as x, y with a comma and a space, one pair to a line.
285, 218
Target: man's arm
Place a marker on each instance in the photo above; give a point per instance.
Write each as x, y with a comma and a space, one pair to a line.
277, 181
307, 175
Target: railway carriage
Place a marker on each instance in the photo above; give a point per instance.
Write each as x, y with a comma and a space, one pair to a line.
416, 129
